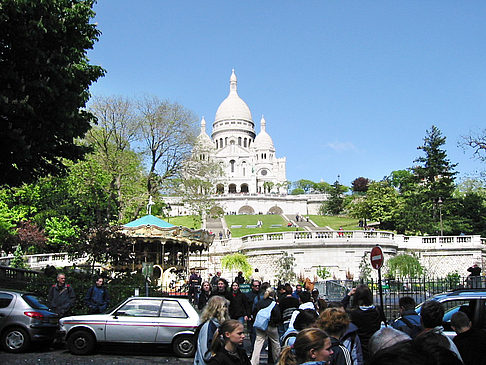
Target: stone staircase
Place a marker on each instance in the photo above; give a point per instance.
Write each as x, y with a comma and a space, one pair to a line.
215, 225
302, 222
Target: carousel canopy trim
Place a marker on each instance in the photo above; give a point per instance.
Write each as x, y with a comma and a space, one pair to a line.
149, 220
150, 227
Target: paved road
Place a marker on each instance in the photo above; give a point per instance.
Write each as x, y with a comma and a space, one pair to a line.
107, 355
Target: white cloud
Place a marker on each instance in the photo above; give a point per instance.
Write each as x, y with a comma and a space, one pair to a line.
341, 146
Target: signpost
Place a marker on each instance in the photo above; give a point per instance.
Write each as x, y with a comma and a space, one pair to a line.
377, 260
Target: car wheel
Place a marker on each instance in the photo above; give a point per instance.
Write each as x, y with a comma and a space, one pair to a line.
15, 339
81, 342
183, 346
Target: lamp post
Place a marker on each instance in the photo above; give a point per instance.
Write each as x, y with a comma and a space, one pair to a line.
439, 203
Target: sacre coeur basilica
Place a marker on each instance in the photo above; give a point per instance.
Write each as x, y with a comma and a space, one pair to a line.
254, 182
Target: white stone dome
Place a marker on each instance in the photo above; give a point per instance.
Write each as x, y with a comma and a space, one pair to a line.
263, 139
203, 140
233, 107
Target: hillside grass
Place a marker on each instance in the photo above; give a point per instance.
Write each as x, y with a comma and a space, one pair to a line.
348, 224
184, 220
267, 220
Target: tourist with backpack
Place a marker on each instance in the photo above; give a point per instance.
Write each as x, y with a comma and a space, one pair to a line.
214, 314
267, 317
97, 298
364, 314
334, 322
409, 320
61, 297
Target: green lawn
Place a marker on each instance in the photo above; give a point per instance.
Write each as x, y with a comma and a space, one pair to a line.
267, 220
335, 222
184, 220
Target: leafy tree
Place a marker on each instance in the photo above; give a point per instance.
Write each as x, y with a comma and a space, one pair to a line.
323, 272
404, 265
237, 262
61, 233
286, 264
111, 139
365, 267
297, 191
476, 141
360, 184
268, 186
19, 259
306, 185
379, 204
44, 85
103, 243
435, 171
322, 187
31, 236
167, 131
402, 180
335, 204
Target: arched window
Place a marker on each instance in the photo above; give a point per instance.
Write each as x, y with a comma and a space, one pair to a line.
232, 142
239, 141
232, 164
244, 188
232, 188
221, 143
249, 142
216, 144
243, 168
226, 141
219, 189
244, 142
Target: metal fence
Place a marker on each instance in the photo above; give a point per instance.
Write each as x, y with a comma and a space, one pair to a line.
419, 289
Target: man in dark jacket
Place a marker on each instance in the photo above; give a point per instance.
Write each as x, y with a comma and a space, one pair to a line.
97, 298
288, 305
253, 297
61, 296
238, 308
409, 322
222, 289
470, 342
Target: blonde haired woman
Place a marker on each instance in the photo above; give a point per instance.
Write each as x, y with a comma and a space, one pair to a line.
215, 312
272, 332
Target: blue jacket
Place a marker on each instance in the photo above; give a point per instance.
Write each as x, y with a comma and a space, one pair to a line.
204, 340
411, 316
351, 341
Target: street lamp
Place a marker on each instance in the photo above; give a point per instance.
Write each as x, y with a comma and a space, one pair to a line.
439, 203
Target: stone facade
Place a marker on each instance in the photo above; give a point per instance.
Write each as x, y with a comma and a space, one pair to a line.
343, 251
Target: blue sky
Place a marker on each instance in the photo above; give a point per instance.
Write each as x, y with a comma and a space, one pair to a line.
347, 88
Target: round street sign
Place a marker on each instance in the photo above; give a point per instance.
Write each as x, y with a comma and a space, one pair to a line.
377, 258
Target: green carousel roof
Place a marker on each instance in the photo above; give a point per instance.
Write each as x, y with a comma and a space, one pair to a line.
149, 220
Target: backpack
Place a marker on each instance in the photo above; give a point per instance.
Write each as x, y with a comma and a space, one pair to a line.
411, 329
263, 317
286, 337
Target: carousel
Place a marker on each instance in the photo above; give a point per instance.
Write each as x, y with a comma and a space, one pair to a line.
165, 248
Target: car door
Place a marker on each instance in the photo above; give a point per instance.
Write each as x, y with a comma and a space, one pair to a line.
136, 321
173, 319
470, 306
7, 302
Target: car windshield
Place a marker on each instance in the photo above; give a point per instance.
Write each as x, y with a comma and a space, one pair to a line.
35, 302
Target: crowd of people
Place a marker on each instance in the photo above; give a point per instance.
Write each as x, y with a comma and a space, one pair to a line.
303, 329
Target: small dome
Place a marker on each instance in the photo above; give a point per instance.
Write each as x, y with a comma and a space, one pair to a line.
233, 107
263, 139
203, 140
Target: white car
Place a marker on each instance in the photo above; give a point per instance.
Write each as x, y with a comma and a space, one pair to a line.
155, 320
